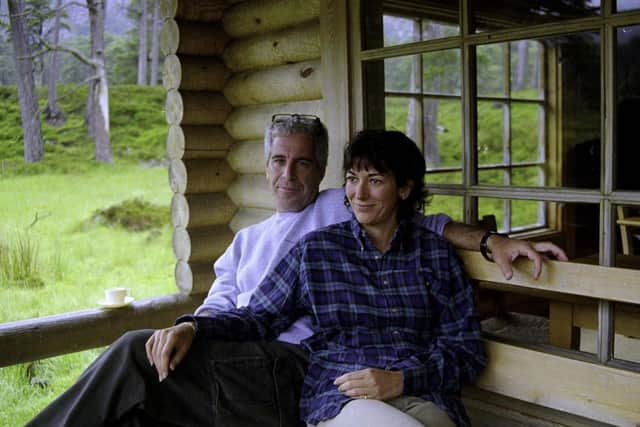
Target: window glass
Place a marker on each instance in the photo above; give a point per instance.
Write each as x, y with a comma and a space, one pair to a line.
441, 72
626, 321
404, 23
624, 5
627, 220
504, 14
628, 108
551, 123
450, 205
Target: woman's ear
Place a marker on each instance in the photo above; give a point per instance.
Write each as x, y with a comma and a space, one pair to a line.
406, 189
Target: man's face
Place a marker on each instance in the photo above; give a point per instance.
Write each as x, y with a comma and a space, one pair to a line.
293, 172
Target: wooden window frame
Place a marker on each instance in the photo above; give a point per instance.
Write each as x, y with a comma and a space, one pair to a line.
470, 190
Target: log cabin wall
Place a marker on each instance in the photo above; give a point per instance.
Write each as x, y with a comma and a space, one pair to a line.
229, 66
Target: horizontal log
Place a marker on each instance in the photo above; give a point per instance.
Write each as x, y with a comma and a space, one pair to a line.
253, 17
200, 176
247, 157
195, 277
598, 392
251, 191
34, 339
203, 73
173, 107
199, 38
295, 44
284, 83
198, 142
201, 244
199, 210
247, 123
193, 10
204, 108
171, 72
169, 37
245, 217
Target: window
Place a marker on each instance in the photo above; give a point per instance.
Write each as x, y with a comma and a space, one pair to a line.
509, 103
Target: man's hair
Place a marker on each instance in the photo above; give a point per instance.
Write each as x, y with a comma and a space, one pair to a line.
299, 124
392, 152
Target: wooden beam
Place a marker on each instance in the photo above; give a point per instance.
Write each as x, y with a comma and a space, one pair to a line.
246, 123
608, 283
293, 44
251, 191
595, 391
262, 16
34, 339
301, 81
247, 157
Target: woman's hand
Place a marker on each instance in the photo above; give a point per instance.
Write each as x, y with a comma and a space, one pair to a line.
371, 383
167, 347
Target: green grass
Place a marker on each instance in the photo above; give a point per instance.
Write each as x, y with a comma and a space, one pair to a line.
64, 227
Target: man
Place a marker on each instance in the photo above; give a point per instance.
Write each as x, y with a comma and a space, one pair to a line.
160, 378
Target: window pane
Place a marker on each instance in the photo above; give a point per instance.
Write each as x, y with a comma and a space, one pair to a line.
623, 5
442, 141
491, 139
400, 74
441, 72
628, 93
402, 24
450, 205
487, 16
628, 236
491, 70
526, 124
555, 123
513, 215
526, 69
626, 320
527, 176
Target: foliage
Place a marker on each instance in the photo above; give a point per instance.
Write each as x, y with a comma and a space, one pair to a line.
138, 130
133, 214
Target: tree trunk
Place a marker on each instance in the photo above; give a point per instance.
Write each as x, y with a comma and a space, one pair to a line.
155, 45
53, 114
98, 100
522, 63
142, 44
33, 146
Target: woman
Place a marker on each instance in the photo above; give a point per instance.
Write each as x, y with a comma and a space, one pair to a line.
395, 330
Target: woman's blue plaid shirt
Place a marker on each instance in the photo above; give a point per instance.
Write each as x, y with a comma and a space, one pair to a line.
409, 309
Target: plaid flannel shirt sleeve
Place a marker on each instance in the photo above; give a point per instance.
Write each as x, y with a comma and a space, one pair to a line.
457, 355
274, 306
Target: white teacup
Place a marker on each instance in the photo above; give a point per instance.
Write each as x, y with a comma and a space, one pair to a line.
115, 295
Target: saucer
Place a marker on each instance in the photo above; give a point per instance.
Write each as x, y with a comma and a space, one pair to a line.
127, 300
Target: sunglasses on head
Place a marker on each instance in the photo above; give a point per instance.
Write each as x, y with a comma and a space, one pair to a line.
285, 117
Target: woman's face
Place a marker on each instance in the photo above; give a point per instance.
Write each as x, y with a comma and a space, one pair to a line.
373, 196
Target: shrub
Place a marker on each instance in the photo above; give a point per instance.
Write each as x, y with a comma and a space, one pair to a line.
133, 214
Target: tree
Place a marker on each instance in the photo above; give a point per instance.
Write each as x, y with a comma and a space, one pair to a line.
155, 30
52, 111
98, 98
142, 44
33, 146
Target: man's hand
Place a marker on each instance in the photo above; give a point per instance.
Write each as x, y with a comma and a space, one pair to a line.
371, 383
167, 347
504, 251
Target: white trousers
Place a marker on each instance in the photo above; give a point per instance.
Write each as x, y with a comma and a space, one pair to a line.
402, 411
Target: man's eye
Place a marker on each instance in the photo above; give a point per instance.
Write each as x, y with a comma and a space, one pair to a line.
351, 179
375, 181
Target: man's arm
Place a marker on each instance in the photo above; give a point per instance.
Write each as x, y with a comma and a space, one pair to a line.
503, 249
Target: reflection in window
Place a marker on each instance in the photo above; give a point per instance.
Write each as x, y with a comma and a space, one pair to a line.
401, 30
626, 345
627, 220
502, 14
628, 107
538, 108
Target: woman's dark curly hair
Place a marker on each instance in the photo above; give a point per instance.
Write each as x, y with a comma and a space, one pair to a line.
390, 151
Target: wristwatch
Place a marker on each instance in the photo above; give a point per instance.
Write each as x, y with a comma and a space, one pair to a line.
484, 247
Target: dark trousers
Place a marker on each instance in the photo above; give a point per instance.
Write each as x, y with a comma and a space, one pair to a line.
221, 384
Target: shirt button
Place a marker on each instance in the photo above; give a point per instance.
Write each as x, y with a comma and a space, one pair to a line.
394, 310
377, 257
385, 282
427, 284
396, 332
